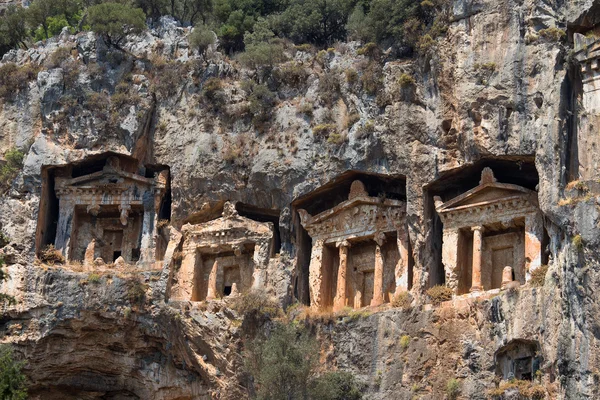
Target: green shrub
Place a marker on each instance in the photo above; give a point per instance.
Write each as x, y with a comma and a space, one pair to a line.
365, 130
14, 79
324, 130
439, 294
58, 57
402, 300
405, 341
405, 81
552, 34
282, 363
578, 242
452, 389
114, 21
97, 103
4, 240
425, 43
10, 169
305, 47
136, 292
201, 38
372, 78
94, 278
12, 379
292, 74
262, 49
370, 50
261, 101
336, 138
538, 276
337, 385
256, 301
329, 87
351, 76
213, 94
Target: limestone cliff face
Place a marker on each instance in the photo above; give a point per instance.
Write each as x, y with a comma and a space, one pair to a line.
501, 89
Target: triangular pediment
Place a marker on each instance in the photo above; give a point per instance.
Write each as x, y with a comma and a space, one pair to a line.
108, 177
486, 194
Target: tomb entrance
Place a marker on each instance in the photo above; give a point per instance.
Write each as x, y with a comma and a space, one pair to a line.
360, 251
488, 229
222, 257
105, 207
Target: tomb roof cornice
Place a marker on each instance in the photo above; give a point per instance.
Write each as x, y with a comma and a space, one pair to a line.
306, 218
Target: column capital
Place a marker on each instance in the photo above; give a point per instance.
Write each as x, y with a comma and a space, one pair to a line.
478, 228
343, 244
379, 238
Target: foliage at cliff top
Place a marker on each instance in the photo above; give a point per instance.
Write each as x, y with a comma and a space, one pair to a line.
399, 24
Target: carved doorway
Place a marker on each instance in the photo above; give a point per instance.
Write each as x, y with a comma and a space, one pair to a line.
113, 247
501, 258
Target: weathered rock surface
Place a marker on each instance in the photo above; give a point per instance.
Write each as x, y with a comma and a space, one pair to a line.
494, 92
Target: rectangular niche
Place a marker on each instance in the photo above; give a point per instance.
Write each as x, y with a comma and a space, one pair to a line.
113, 239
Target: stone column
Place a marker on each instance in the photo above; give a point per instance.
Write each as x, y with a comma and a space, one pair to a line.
148, 242
212, 281
450, 241
260, 261
315, 274
340, 294
533, 243
401, 272
506, 276
477, 261
378, 295
185, 276
66, 214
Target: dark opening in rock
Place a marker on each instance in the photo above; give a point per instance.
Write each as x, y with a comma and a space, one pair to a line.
328, 196
515, 170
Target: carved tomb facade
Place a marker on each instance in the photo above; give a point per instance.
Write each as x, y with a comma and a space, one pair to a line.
360, 251
492, 235
110, 213
223, 256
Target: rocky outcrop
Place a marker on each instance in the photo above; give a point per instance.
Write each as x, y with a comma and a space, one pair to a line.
499, 90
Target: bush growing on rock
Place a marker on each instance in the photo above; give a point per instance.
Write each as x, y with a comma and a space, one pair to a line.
256, 301
13, 79
282, 363
402, 300
338, 385
201, 38
114, 21
12, 379
452, 389
538, 276
261, 101
10, 169
439, 294
51, 255
4, 298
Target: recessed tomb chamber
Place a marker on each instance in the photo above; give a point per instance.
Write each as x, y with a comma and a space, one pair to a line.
103, 207
360, 251
222, 257
492, 235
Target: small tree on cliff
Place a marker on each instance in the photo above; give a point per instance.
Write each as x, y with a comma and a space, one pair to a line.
282, 363
114, 21
12, 379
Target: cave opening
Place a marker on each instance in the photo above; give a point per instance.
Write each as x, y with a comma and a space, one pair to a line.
326, 197
263, 215
514, 170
